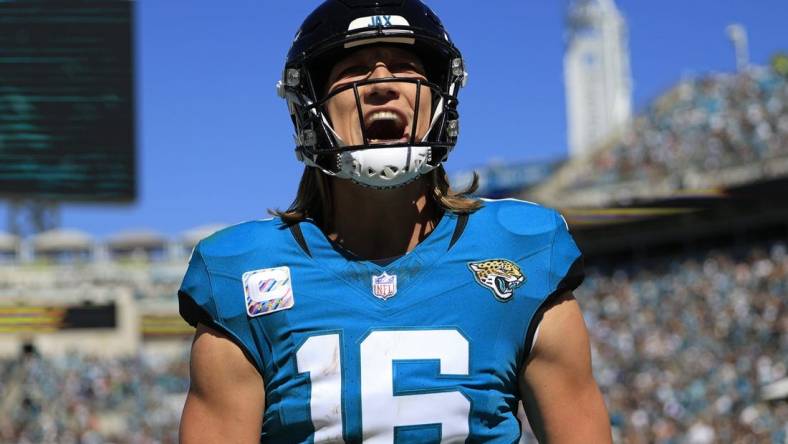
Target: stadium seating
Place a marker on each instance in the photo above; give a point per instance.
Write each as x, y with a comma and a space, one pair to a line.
712, 131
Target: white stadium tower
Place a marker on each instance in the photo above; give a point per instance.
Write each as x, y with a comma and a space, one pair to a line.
597, 74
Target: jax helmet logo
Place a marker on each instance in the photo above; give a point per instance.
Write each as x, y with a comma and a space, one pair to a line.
379, 28
378, 21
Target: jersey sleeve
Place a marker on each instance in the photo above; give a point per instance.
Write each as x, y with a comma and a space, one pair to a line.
195, 297
565, 273
566, 261
198, 304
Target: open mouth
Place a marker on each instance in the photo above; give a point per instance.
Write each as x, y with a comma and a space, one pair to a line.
386, 127
502, 285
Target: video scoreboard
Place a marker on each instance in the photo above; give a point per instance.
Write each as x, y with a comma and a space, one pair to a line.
67, 100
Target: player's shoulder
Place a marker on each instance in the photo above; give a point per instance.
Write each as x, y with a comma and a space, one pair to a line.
518, 217
245, 237
537, 238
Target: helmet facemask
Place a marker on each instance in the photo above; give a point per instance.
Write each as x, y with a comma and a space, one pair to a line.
394, 149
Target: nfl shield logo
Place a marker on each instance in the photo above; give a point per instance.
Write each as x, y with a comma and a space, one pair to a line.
384, 286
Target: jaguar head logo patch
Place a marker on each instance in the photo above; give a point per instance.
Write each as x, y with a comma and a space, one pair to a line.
499, 276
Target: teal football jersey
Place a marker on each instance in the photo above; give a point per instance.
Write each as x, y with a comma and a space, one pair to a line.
425, 349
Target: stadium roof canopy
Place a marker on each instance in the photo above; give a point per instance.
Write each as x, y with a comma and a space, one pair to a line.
62, 240
131, 240
8, 242
191, 237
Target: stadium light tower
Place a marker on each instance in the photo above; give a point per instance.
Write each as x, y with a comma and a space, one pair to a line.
597, 74
738, 36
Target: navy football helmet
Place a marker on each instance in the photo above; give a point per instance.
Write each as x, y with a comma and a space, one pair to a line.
338, 27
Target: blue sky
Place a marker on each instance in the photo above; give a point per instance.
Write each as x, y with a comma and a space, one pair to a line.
215, 142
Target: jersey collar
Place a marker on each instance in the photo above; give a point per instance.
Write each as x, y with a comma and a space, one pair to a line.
358, 272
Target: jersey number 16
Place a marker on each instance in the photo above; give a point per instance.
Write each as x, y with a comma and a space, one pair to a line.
381, 409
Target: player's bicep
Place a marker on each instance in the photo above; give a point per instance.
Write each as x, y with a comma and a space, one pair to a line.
226, 398
557, 384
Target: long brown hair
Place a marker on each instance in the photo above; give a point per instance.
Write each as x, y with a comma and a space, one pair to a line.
313, 199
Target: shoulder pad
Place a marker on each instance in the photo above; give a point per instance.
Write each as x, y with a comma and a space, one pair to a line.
241, 238
522, 217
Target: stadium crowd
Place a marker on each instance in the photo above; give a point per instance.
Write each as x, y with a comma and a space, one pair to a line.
681, 348
702, 125
84, 400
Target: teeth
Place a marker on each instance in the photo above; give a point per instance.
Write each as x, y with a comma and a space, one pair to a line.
389, 116
383, 115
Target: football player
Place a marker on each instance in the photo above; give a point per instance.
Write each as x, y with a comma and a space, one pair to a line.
383, 306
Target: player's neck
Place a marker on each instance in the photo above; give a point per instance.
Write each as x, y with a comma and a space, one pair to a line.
378, 224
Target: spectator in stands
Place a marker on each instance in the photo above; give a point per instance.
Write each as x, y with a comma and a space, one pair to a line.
702, 125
